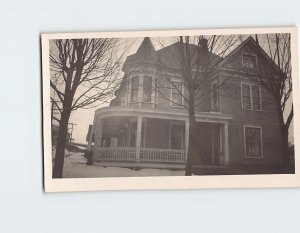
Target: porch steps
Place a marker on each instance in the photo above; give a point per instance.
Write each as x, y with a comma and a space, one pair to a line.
211, 170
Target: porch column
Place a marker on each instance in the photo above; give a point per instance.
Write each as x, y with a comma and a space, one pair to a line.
138, 138
90, 142
187, 133
226, 146
98, 139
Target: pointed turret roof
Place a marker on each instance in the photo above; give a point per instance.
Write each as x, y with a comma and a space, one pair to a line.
146, 48
145, 53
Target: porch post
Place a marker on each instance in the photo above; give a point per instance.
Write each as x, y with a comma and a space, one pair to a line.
90, 142
138, 138
187, 129
226, 146
98, 139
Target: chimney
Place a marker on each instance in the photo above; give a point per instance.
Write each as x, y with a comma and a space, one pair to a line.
204, 44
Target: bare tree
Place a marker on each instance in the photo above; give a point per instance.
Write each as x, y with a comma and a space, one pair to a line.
84, 73
198, 55
278, 83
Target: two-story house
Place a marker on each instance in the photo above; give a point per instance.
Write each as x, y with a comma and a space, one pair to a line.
147, 124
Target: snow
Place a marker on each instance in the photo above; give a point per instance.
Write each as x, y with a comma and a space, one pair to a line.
75, 167
81, 147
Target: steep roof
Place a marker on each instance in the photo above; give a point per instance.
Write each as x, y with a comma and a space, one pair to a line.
168, 56
145, 52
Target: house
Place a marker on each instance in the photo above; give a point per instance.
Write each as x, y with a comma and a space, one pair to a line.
147, 124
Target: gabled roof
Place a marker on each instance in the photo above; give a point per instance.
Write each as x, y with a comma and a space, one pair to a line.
251, 41
170, 56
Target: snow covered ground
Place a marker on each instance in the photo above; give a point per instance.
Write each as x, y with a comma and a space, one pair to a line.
75, 167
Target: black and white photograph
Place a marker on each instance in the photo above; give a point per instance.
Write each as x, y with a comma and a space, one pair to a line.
198, 103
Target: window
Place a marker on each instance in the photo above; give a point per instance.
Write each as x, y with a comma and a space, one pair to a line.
214, 96
176, 94
134, 89
255, 97
253, 142
147, 89
246, 96
251, 99
249, 61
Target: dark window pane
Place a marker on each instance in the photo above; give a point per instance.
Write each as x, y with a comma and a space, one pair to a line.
147, 89
176, 137
246, 96
253, 142
134, 89
249, 61
256, 98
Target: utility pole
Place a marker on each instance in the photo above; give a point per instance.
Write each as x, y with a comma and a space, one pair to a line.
71, 134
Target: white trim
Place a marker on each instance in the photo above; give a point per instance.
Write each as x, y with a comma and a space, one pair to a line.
251, 99
261, 141
154, 113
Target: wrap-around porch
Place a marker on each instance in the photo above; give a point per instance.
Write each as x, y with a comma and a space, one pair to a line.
154, 139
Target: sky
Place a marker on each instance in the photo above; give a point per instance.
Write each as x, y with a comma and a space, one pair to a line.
84, 117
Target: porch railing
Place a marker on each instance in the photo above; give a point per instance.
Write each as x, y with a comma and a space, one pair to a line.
162, 155
146, 154
116, 153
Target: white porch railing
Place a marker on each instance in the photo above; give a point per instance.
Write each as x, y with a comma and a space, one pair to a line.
115, 153
146, 154
162, 155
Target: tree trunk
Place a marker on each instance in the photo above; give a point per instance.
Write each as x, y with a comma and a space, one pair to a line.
284, 138
192, 126
285, 144
57, 171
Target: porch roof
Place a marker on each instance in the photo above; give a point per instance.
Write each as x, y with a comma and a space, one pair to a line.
160, 114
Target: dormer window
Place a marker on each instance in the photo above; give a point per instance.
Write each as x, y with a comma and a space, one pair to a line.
249, 61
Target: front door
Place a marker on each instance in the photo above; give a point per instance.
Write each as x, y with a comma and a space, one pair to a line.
216, 144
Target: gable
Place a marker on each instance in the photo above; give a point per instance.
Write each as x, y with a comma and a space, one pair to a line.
249, 49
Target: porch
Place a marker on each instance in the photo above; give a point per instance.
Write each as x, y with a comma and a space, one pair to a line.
156, 140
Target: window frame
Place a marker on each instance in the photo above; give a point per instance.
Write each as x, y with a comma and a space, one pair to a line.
249, 55
261, 141
172, 104
251, 97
